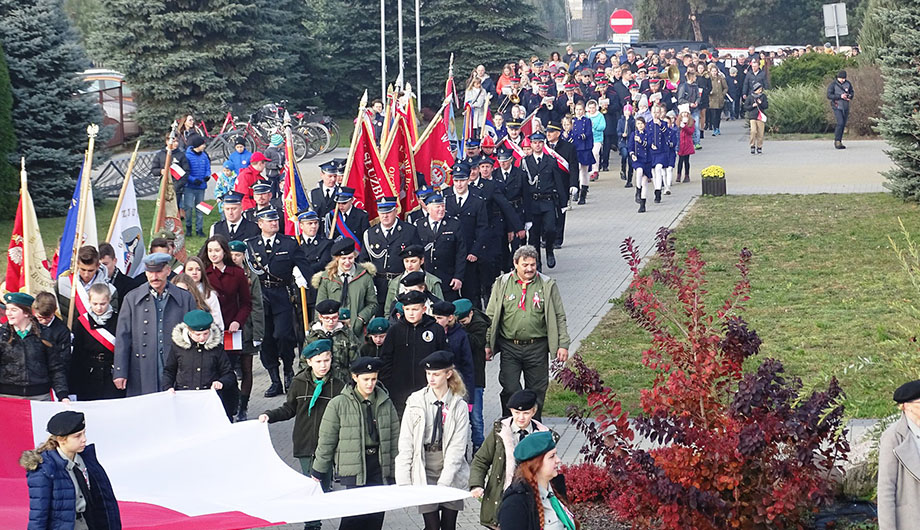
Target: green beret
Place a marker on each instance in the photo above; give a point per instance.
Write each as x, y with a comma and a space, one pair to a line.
462, 307
378, 325
399, 308
344, 313
25, 299
534, 445
315, 348
198, 320
237, 246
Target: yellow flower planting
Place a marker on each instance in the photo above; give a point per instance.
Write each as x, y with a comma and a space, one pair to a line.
714, 172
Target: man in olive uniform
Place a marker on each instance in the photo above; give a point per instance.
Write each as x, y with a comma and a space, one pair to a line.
528, 324
445, 249
273, 257
383, 244
317, 250
322, 197
545, 192
262, 194
235, 226
355, 219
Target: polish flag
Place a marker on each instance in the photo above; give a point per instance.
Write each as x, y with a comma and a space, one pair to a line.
174, 461
176, 171
233, 340
205, 208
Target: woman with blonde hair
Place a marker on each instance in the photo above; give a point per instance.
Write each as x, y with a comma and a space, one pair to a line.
350, 284
433, 437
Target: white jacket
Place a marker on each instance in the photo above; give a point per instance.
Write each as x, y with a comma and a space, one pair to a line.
410, 460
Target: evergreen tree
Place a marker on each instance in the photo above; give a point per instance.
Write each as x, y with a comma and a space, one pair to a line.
197, 57
8, 181
899, 124
49, 120
873, 34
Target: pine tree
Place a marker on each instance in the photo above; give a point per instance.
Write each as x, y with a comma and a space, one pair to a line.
8, 187
196, 57
873, 35
49, 120
900, 125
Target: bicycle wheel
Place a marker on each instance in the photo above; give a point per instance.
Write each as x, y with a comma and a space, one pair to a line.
320, 135
334, 136
299, 144
216, 149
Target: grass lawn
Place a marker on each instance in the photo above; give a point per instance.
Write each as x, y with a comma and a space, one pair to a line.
52, 227
824, 280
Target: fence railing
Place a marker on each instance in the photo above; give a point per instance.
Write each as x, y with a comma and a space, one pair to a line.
108, 181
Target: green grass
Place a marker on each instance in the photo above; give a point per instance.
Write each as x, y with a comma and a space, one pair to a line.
52, 227
824, 280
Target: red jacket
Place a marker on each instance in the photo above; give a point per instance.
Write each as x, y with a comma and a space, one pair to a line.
686, 139
232, 289
247, 177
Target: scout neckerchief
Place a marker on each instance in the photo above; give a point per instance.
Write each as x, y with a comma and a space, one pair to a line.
316, 392
564, 517
522, 305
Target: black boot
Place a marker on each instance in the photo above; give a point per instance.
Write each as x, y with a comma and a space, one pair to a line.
275, 389
622, 174
582, 195
628, 183
638, 194
550, 257
241, 415
642, 206
657, 196
288, 376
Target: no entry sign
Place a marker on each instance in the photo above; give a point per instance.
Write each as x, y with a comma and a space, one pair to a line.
621, 21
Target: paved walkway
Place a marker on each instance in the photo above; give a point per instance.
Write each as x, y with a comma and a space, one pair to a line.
590, 271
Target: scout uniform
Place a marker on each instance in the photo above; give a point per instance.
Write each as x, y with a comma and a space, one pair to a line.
382, 247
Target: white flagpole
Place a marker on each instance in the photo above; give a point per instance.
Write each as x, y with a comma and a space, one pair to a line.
399, 15
418, 55
383, 52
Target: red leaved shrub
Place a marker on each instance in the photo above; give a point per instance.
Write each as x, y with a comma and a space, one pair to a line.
731, 449
587, 482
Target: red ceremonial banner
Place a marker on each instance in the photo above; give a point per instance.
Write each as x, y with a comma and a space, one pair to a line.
400, 166
366, 173
433, 157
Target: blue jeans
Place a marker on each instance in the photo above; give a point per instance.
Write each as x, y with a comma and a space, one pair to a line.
476, 423
696, 130
190, 200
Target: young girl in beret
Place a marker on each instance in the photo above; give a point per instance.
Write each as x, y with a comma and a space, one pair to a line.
31, 367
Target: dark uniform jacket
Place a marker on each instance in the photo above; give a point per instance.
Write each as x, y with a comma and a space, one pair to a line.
275, 204
30, 366
195, 366
244, 230
91, 369
550, 187
499, 214
276, 275
297, 406
356, 220
318, 253
473, 221
513, 184
445, 251
403, 349
567, 151
382, 251
321, 205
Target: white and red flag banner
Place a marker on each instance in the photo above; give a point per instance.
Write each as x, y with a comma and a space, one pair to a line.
174, 461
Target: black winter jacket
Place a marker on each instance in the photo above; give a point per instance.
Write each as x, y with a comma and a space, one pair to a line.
30, 366
403, 349
190, 367
518, 509
297, 406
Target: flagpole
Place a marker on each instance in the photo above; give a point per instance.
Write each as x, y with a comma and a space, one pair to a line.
23, 190
431, 125
91, 131
289, 148
418, 53
399, 16
159, 215
383, 51
124, 187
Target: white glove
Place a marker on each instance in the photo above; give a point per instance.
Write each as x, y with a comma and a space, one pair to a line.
527, 225
299, 280
257, 343
573, 190
565, 209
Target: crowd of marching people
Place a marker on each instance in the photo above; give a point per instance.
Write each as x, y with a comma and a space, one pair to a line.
377, 334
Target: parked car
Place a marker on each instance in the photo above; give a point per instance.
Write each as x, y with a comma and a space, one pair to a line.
116, 99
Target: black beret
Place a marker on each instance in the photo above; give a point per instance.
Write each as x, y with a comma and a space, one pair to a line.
343, 247
412, 297
366, 365
525, 399
66, 423
442, 308
412, 251
907, 392
413, 278
438, 360
328, 307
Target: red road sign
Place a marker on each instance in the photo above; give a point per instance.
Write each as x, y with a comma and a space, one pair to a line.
621, 21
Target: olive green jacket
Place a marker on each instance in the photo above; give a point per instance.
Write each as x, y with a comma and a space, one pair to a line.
432, 283
341, 437
493, 467
344, 348
557, 331
362, 296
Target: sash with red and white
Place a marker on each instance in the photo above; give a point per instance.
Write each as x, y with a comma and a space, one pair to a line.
516, 151
560, 161
81, 306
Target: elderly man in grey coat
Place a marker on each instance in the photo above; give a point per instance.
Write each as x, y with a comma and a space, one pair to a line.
899, 464
147, 317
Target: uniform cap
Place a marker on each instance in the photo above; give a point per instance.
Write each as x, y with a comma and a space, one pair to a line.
233, 198
462, 307
345, 314
262, 186
412, 297
525, 399
554, 125
472, 142
460, 172
386, 204
412, 251
344, 194
484, 160
366, 365
328, 167
423, 191
328, 307
237, 246
66, 423
315, 348
23, 299
534, 445
378, 325
308, 215
438, 360
156, 261
907, 392
269, 214
537, 137
343, 246
434, 198
198, 320
503, 153
442, 308
413, 278
168, 235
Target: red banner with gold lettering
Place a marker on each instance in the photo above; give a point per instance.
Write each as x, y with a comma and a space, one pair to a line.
400, 166
365, 172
